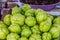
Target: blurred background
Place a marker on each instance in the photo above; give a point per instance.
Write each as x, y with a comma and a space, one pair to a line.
6, 5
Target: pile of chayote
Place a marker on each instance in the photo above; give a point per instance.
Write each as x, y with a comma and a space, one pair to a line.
29, 24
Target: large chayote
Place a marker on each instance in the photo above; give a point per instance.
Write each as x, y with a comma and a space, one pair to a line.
12, 36
35, 37
16, 10
30, 21
46, 36
55, 32
7, 19
35, 29
15, 28
23, 38
18, 19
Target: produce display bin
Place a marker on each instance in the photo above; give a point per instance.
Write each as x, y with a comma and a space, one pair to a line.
44, 7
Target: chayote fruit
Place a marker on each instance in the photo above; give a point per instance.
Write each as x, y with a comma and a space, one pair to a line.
30, 12
15, 28
26, 32
16, 10
35, 29
18, 19
30, 21
3, 32
23, 38
45, 26
12, 36
35, 37
55, 32
41, 16
46, 36
7, 19
26, 7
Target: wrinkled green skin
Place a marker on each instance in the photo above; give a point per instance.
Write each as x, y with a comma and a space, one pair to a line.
57, 25
3, 30
26, 32
23, 38
26, 7
35, 29
56, 20
25, 27
2, 25
30, 21
55, 32
15, 28
45, 26
38, 10
50, 17
30, 12
18, 19
46, 36
16, 10
35, 37
3, 33
7, 19
41, 16
12, 36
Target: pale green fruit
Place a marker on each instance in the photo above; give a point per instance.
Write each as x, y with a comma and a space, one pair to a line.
35, 37
35, 29
55, 32
26, 32
23, 38
15, 28
16, 10
30, 21
30, 12
26, 7
12, 36
18, 19
7, 19
46, 36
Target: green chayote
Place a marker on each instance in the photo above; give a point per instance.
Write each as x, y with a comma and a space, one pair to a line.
16, 10
45, 26
55, 32
26, 7
26, 32
25, 27
7, 19
56, 20
38, 10
23, 38
30, 21
18, 19
35, 37
41, 16
3, 32
12, 36
50, 17
2, 25
46, 36
35, 29
15, 28
30, 12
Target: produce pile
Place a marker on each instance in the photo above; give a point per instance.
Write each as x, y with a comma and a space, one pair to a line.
29, 24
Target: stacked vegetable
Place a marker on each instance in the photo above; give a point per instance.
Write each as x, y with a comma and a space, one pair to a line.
29, 24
